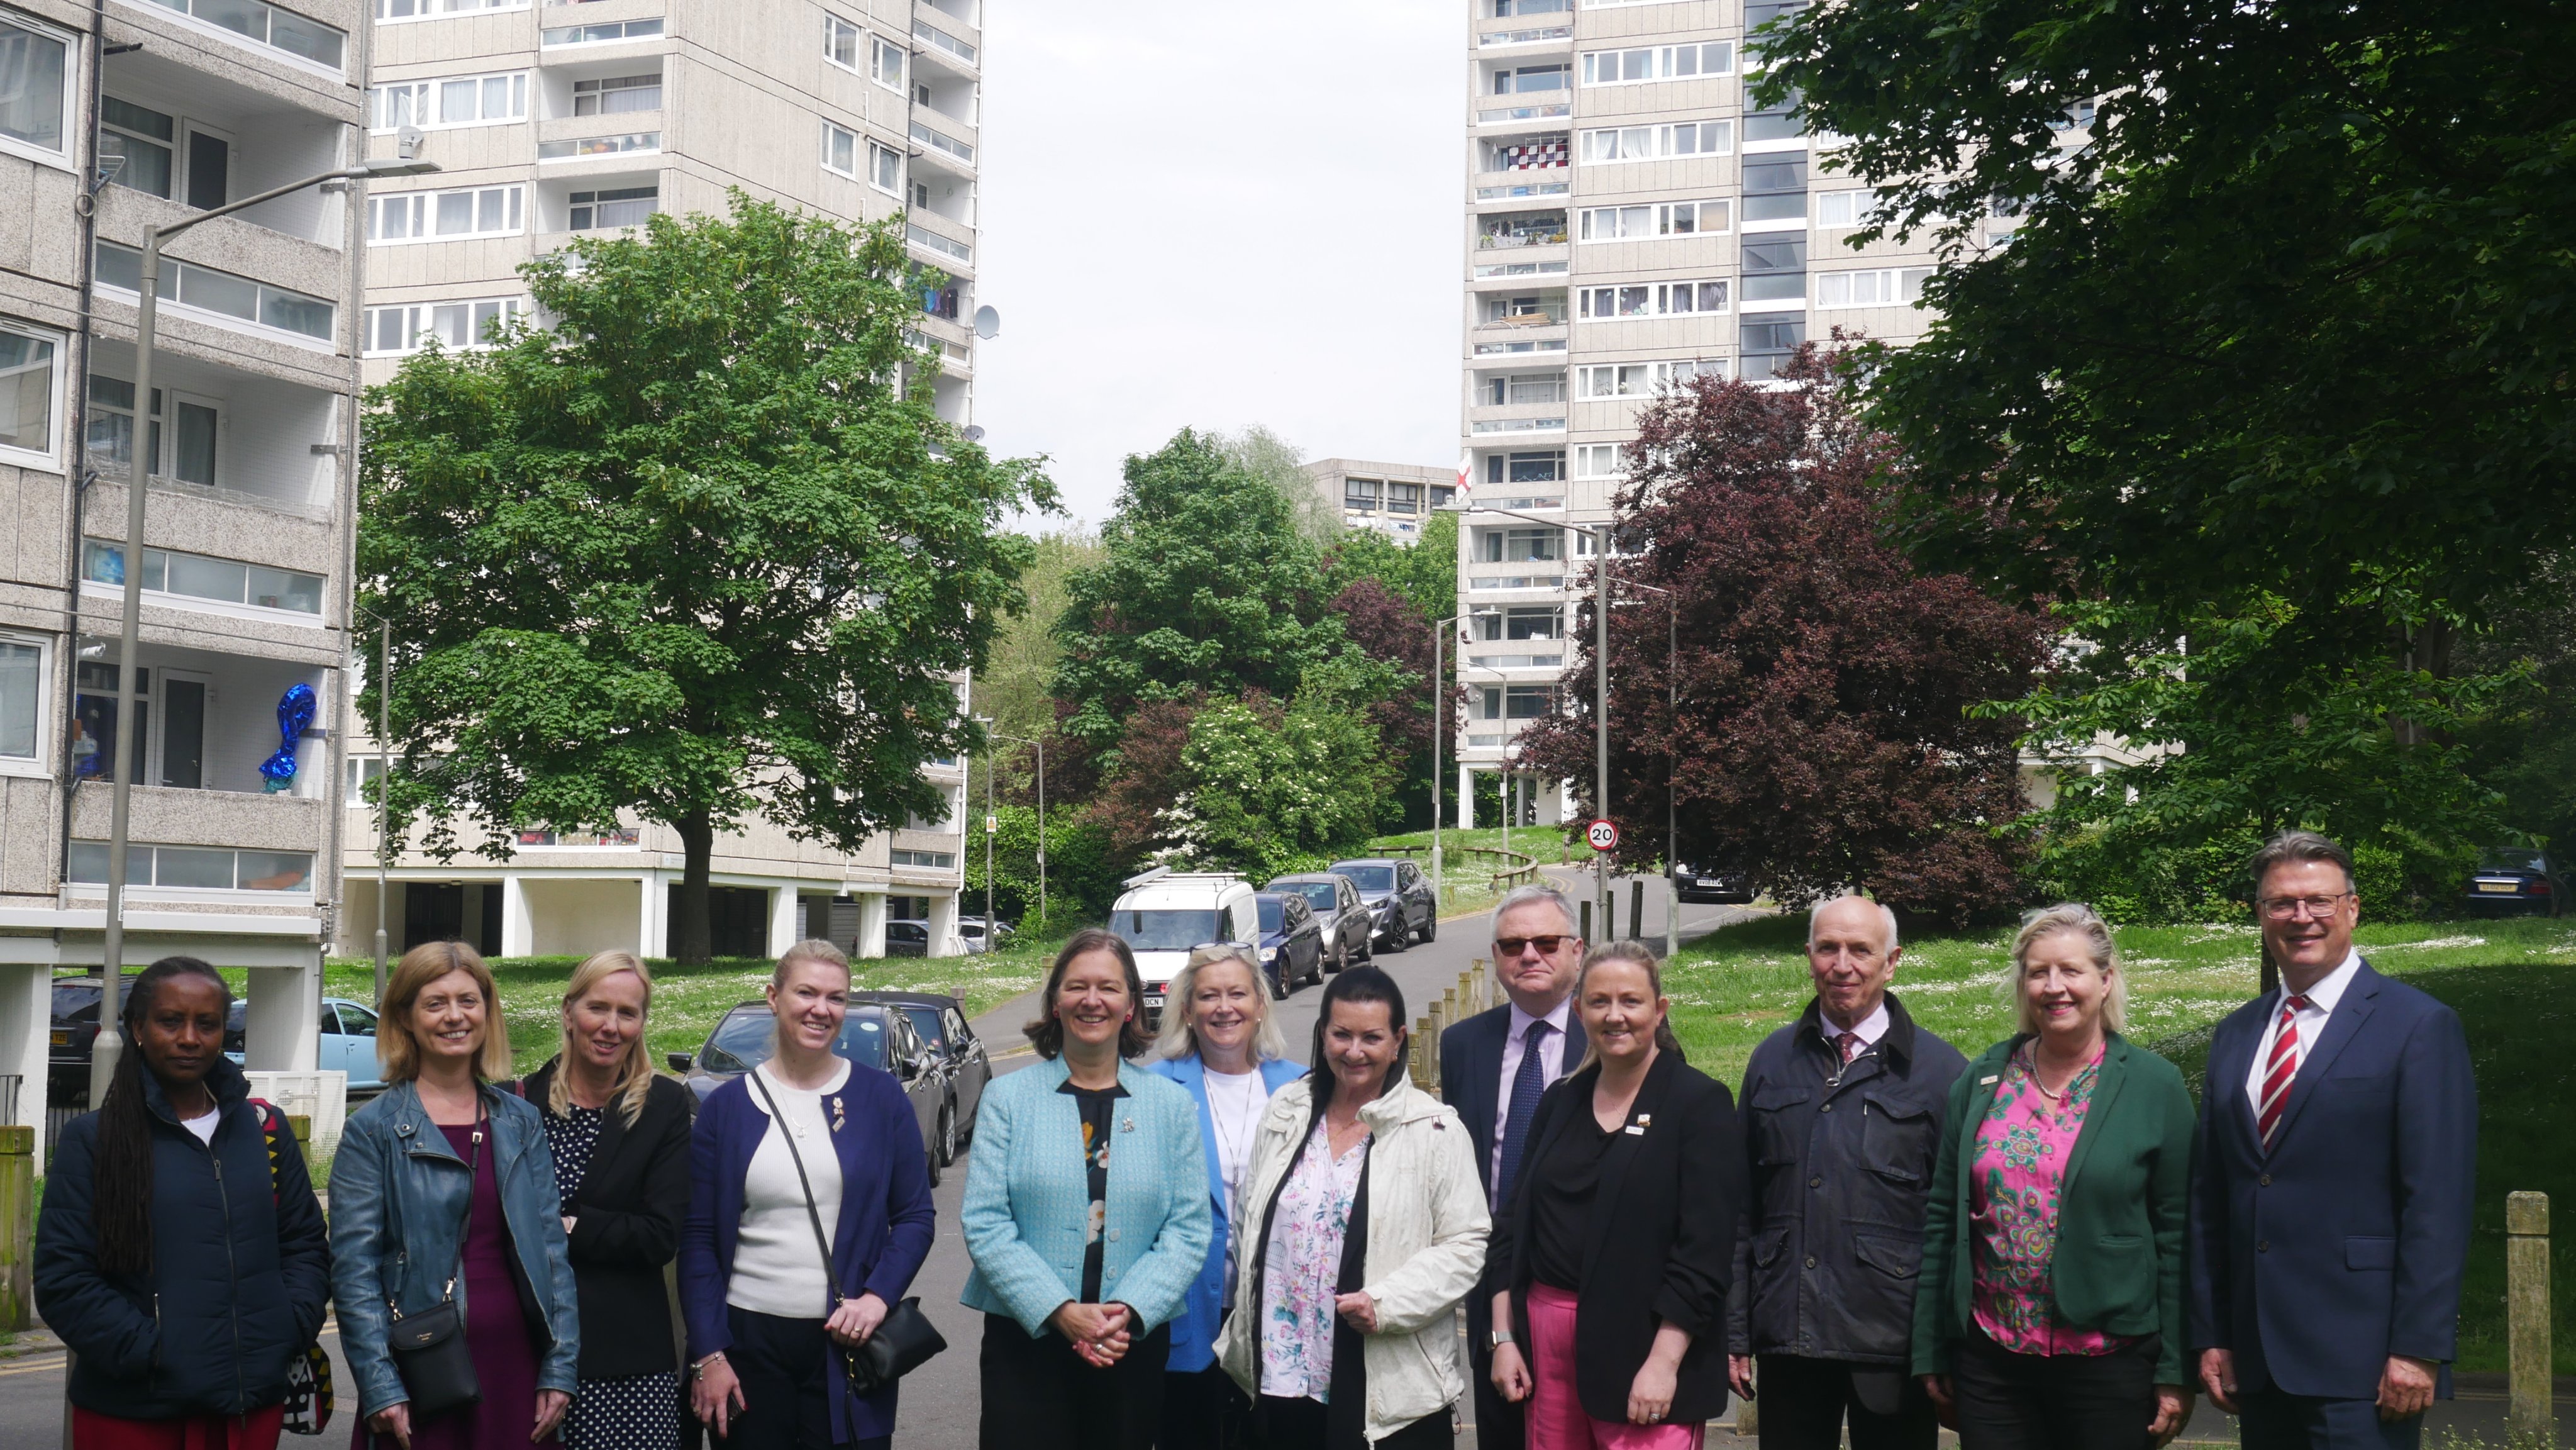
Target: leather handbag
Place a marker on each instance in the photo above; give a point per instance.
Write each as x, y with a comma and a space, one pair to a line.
905, 1339
429, 1348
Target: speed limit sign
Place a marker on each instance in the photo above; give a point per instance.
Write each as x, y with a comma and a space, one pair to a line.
1603, 834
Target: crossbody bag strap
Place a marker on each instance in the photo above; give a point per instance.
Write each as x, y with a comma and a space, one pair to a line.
787, 1135
473, 1170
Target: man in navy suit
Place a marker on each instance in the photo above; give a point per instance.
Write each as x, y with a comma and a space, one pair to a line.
1493, 1067
2331, 1197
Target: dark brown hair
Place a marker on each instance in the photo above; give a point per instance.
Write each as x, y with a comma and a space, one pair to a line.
1046, 1034
1357, 985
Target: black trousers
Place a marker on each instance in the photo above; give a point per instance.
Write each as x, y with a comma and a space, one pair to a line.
1039, 1394
1298, 1424
1804, 1403
785, 1366
1204, 1410
1500, 1424
2011, 1401
2275, 1419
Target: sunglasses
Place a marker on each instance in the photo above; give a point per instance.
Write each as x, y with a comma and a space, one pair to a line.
1510, 946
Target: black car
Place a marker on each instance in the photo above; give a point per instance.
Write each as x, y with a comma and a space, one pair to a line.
1292, 941
907, 939
941, 1022
1402, 906
873, 1035
75, 1030
2510, 878
1705, 883
1348, 927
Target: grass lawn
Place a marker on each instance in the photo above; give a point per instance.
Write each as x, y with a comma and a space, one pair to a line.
2511, 982
1468, 883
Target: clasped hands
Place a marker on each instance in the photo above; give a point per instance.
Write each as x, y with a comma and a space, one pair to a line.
1100, 1333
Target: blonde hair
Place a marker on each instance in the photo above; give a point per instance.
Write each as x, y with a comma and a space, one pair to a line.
2069, 918
812, 949
398, 1051
635, 1069
1179, 1039
1637, 953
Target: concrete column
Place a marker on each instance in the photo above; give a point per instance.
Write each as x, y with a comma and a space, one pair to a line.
872, 923
944, 941
279, 1031
648, 918
26, 1018
518, 929
782, 920
1466, 797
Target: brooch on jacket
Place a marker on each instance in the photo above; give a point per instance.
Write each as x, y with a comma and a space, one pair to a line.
836, 1112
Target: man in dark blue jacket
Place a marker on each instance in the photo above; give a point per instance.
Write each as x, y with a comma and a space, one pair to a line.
2330, 1200
1842, 1120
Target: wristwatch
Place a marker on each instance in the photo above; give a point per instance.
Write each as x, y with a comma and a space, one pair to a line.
1502, 1337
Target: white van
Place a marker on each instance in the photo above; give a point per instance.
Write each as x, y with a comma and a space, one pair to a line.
1163, 913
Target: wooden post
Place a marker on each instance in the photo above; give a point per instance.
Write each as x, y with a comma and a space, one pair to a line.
1637, 908
1421, 1054
17, 1226
2526, 1301
1583, 925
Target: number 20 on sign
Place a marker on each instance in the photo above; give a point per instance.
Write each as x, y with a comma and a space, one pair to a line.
1603, 834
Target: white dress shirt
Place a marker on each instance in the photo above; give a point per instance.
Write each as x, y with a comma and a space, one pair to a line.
1515, 1038
1871, 1028
2312, 1025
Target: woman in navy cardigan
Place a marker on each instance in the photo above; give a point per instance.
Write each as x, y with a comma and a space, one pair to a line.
763, 1319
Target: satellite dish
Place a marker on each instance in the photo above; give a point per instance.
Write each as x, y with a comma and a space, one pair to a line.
988, 323
973, 432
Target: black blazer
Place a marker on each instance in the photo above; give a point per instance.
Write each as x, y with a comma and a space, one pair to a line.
1471, 1072
1661, 1242
626, 1230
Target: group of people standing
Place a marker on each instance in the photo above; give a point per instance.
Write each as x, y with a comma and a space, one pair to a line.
1190, 1241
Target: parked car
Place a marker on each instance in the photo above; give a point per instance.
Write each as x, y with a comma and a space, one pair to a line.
1402, 907
2510, 878
1163, 913
1349, 930
941, 1022
347, 1036
75, 1030
1701, 883
907, 938
875, 1034
1292, 941
971, 930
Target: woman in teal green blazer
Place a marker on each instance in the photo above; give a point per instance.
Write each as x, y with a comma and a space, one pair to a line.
2049, 1312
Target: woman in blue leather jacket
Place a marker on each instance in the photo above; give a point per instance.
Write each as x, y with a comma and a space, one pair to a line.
445, 1186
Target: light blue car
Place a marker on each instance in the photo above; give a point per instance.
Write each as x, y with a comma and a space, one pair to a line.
348, 1038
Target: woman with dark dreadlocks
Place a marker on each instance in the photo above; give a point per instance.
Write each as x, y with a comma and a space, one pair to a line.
185, 1270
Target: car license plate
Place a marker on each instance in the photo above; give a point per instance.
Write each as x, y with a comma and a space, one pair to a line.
1154, 1000
2506, 887
62, 1039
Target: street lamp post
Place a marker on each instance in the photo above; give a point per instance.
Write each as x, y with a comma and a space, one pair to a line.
1672, 764
1441, 715
1040, 747
147, 314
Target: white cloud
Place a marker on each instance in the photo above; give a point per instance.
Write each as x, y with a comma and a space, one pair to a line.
1208, 213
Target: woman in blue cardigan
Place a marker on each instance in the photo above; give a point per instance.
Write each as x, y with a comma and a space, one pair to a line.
1218, 1042
1087, 1217
806, 1135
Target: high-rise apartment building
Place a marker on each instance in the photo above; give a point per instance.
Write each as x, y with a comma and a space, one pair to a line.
1631, 223
563, 118
1393, 499
114, 118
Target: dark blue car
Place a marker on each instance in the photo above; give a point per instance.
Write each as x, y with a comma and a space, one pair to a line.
1292, 941
2511, 879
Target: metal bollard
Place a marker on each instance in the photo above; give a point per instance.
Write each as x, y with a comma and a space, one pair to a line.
1637, 908
17, 1226
1583, 924
2526, 1309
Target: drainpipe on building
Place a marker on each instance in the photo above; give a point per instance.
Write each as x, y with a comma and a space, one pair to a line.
85, 213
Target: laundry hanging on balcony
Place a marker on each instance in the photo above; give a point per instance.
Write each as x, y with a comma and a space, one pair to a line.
295, 712
1534, 155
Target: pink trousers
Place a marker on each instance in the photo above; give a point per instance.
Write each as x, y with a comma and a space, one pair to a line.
1556, 1418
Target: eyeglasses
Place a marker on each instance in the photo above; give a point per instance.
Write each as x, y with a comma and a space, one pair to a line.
1510, 946
2287, 908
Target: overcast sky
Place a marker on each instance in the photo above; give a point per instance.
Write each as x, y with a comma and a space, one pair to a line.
1211, 213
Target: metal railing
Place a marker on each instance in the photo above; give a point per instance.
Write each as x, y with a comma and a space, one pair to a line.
1521, 239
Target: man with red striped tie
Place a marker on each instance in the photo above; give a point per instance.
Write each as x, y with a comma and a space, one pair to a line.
2331, 1196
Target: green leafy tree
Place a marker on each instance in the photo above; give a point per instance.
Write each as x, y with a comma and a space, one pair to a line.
1424, 573
1206, 587
1274, 460
1013, 688
1271, 790
694, 552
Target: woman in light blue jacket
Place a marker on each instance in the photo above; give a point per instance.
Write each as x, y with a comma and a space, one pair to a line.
1220, 1043
1086, 1214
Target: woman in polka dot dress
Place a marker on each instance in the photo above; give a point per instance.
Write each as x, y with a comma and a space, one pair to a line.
620, 1136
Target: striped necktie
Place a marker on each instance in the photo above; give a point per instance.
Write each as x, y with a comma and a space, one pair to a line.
2278, 1070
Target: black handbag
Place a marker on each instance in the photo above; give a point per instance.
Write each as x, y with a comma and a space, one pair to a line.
428, 1348
905, 1339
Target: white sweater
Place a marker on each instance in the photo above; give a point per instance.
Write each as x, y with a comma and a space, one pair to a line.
777, 1269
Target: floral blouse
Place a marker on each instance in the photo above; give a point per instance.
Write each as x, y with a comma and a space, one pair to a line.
1302, 1266
2020, 1163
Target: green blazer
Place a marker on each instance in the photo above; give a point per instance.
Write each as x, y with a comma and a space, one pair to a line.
2121, 1207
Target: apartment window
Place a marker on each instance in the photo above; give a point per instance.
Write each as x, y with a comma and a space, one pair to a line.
841, 42
194, 867
1775, 267
456, 101
1652, 299
146, 139
1617, 380
925, 860
1544, 466
1522, 621
1511, 80
422, 216
1518, 546
1515, 702
1767, 342
886, 62
600, 34
1679, 372
1360, 494
219, 292
1661, 219
189, 457
615, 95
1658, 63
841, 150
432, 9
22, 699
1844, 208
261, 24
1530, 7
1403, 498
622, 206
1600, 460
633, 143
1650, 143
34, 101
200, 576
885, 168
1876, 287
27, 393
1505, 390
1775, 123
1539, 153
396, 330
364, 773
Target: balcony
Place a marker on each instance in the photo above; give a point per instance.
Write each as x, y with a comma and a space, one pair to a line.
943, 250
1523, 190
230, 436
944, 50
942, 150
1528, 114
208, 721
1548, 35
187, 136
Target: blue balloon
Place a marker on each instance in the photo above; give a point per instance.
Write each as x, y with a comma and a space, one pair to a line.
295, 711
